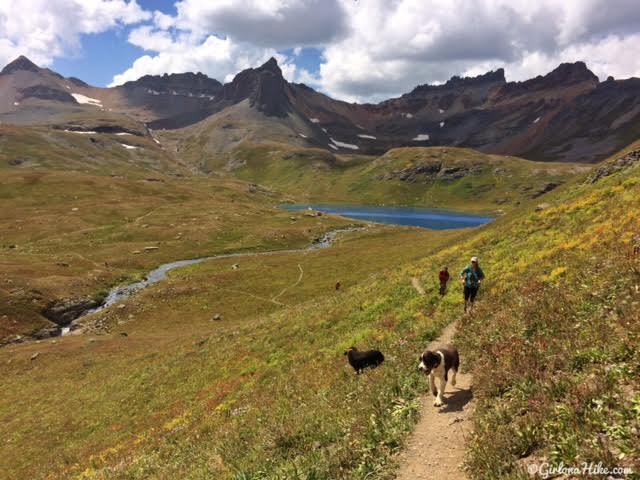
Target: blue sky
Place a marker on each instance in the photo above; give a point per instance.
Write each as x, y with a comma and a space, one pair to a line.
100, 56
363, 50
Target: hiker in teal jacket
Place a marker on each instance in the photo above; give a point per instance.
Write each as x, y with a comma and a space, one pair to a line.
471, 277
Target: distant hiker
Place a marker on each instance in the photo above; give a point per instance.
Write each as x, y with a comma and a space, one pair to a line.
444, 278
636, 245
338, 285
471, 277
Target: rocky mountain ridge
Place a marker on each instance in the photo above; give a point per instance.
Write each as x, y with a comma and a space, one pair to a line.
565, 115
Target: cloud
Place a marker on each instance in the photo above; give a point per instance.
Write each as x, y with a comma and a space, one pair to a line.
223, 37
45, 29
219, 58
371, 49
266, 23
393, 45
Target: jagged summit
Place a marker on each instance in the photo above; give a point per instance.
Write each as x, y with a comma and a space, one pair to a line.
265, 87
492, 77
196, 83
571, 73
272, 66
20, 63
564, 76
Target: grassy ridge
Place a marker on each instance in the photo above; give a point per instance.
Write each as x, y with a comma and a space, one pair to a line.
553, 344
490, 183
99, 153
555, 353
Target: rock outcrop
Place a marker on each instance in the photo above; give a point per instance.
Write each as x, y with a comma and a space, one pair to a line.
63, 312
428, 172
614, 166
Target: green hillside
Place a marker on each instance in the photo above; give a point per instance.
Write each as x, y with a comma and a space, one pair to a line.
437, 177
264, 392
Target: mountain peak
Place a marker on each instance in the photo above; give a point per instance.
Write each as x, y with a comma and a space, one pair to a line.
570, 73
272, 66
20, 63
492, 77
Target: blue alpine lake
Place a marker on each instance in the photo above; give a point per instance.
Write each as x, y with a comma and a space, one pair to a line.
415, 217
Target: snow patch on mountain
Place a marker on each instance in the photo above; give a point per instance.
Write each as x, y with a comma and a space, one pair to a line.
344, 145
421, 137
367, 136
87, 100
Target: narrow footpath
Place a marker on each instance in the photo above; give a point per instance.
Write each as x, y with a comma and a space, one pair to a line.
437, 446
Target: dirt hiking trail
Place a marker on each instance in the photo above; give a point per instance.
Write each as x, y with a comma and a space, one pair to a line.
436, 448
415, 281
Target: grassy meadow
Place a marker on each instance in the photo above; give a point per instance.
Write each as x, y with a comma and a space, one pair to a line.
263, 392
73, 234
158, 388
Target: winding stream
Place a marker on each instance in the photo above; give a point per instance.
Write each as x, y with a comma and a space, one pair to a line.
122, 292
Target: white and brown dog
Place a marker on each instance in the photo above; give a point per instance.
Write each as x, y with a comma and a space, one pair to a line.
437, 365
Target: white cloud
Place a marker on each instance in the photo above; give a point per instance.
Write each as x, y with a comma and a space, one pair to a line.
219, 58
379, 48
395, 45
265, 23
163, 21
45, 29
147, 38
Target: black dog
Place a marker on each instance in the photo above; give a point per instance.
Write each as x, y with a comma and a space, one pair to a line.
361, 360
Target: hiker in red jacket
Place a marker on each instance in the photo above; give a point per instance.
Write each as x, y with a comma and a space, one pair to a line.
444, 278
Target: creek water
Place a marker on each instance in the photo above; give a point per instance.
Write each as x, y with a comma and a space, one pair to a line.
122, 292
